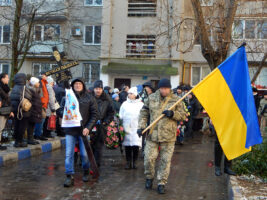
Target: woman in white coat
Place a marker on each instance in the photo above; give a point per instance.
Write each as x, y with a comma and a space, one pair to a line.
129, 113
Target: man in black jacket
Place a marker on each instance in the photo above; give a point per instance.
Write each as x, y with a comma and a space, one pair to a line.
106, 114
88, 111
4, 102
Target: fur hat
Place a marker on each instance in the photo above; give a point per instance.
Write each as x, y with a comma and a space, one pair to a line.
133, 90
34, 80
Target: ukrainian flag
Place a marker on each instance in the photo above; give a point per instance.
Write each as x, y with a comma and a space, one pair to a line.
226, 95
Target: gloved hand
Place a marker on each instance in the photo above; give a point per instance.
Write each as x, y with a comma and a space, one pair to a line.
139, 132
168, 113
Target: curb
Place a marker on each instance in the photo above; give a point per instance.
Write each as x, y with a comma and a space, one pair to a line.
234, 191
14, 155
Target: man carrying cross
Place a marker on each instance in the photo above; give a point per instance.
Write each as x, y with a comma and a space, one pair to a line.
162, 135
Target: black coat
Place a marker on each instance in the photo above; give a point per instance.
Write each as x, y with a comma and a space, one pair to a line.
116, 106
16, 94
123, 96
36, 109
105, 108
88, 110
4, 96
194, 107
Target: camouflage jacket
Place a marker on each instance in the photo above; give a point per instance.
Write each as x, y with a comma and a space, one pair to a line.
165, 130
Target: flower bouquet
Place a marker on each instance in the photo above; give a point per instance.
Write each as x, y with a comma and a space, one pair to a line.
115, 134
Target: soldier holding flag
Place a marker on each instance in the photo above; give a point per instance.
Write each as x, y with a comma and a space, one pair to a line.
161, 135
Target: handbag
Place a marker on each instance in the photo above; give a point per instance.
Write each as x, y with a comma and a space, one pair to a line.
25, 103
51, 124
5, 111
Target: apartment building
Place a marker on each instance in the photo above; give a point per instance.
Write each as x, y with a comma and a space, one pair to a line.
73, 26
141, 41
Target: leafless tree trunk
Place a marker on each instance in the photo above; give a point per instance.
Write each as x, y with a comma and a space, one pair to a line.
215, 56
259, 68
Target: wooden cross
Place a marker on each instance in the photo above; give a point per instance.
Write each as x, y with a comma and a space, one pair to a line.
62, 72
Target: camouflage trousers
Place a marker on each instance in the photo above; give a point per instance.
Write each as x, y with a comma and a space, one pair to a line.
165, 156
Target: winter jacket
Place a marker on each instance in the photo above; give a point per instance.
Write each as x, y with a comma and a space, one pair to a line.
59, 92
88, 110
165, 129
52, 100
45, 95
105, 108
16, 94
36, 109
4, 94
129, 113
263, 108
123, 96
193, 107
116, 106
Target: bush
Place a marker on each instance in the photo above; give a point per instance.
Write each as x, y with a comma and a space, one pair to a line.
254, 162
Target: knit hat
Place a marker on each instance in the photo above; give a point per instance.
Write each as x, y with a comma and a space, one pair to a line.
116, 90
34, 80
133, 90
43, 72
98, 84
164, 83
114, 96
50, 80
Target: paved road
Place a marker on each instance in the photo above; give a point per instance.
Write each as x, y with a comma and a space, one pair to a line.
42, 177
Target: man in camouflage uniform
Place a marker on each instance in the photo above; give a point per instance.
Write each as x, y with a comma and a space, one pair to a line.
162, 135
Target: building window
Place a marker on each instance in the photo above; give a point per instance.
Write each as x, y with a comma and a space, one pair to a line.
198, 73
5, 34
206, 2
142, 8
39, 67
93, 2
91, 72
48, 32
249, 29
92, 35
4, 68
141, 46
5, 2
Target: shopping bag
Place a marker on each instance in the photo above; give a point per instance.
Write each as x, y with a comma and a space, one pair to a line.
51, 124
71, 115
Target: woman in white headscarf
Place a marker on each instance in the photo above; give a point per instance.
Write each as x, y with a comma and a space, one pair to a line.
129, 113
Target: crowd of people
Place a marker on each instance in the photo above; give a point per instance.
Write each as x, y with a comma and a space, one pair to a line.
32, 101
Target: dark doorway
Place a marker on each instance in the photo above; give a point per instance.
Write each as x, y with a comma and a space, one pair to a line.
119, 82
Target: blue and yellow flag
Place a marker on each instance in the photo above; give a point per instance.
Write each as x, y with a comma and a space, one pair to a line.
226, 95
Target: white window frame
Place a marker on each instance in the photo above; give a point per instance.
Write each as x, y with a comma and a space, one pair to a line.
1, 67
40, 66
5, 3
2, 35
244, 29
93, 36
90, 71
42, 32
94, 4
209, 3
200, 74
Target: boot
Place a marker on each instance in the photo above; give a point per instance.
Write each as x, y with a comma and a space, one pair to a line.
149, 184
86, 175
161, 189
69, 181
128, 165
134, 165
229, 172
32, 142
218, 171
2, 148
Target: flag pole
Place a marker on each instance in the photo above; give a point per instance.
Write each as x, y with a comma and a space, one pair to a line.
162, 115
